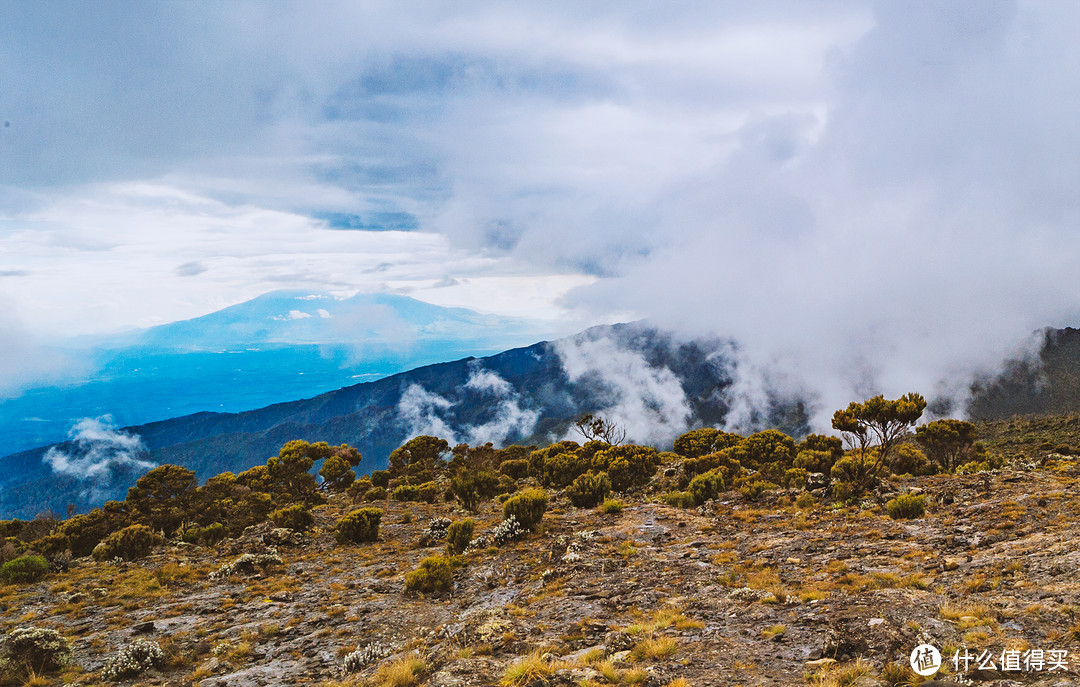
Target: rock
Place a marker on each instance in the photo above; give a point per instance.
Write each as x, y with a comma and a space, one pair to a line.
951, 564
819, 663
141, 628
816, 480
620, 657
874, 622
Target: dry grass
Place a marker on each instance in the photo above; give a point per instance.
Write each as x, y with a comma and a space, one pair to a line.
654, 649
840, 676
404, 672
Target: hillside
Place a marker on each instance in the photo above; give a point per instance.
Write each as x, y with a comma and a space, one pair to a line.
1047, 382
789, 588
521, 395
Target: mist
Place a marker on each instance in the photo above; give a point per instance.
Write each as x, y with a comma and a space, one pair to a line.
102, 457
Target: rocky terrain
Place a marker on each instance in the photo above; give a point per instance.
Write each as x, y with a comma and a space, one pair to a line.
730, 593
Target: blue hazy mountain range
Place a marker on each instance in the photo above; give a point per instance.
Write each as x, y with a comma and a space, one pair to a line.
281, 346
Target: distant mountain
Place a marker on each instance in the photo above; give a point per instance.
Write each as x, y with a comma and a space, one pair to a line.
1046, 382
648, 380
280, 346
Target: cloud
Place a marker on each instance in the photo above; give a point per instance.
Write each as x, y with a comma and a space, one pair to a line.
102, 457
190, 269
647, 400
424, 412
870, 197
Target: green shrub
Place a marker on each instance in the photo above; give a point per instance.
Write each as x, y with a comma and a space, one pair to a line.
699, 442
843, 491
358, 488
560, 469
51, 545
589, 489
427, 492
83, 532
528, 507
359, 526
907, 507
435, 574
130, 543
296, 517
212, 533
611, 507
470, 487
459, 534
406, 492
805, 500
678, 499
24, 569
381, 478
515, 468
795, 478
706, 486
375, 494
628, 466
755, 489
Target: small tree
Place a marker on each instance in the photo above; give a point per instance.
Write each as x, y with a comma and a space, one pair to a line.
947, 442
161, 497
599, 428
879, 422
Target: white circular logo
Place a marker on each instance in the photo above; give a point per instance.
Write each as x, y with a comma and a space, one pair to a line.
925, 660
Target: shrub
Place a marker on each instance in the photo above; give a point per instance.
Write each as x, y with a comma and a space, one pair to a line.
459, 534
795, 477
435, 574
83, 532
627, 466
36, 649
678, 499
908, 460
358, 488
133, 660
295, 517
805, 500
699, 442
528, 507
336, 472
589, 489
24, 569
843, 491
752, 491
375, 494
706, 486
560, 469
428, 492
611, 507
134, 541
471, 487
359, 526
515, 468
506, 531
381, 478
212, 533
406, 492
907, 507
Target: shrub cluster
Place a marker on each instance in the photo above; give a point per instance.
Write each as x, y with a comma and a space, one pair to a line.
24, 569
527, 507
36, 649
296, 517
907, 507
589, 489
130, 543
133, 660
359, 526
435, 574
459, 534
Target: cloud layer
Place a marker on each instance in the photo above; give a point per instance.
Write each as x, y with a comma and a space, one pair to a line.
869, 196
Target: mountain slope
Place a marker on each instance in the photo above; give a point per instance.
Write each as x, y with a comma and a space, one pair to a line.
656, 384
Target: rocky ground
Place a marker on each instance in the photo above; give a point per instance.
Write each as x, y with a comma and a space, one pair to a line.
732, 593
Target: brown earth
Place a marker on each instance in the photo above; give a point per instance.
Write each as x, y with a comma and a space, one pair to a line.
732, 593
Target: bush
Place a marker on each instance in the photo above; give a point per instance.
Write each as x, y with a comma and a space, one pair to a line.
435, 574
627, 466
381, 478
212, 533
24, 569
375, 494
34, 649
471, 487
527, 507
678, 499
406, 492
589, 489
427, 492
515, 468
805, 500
560, 469
359, 526
611, 507
752, 491
295, 517
459, 534
907, 507
133, 660
706, 486
84, 532
134, 541
358, 488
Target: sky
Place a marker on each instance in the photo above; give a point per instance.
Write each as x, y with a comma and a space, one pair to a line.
868, 196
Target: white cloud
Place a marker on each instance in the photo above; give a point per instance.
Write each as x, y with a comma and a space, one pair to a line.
102, 456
